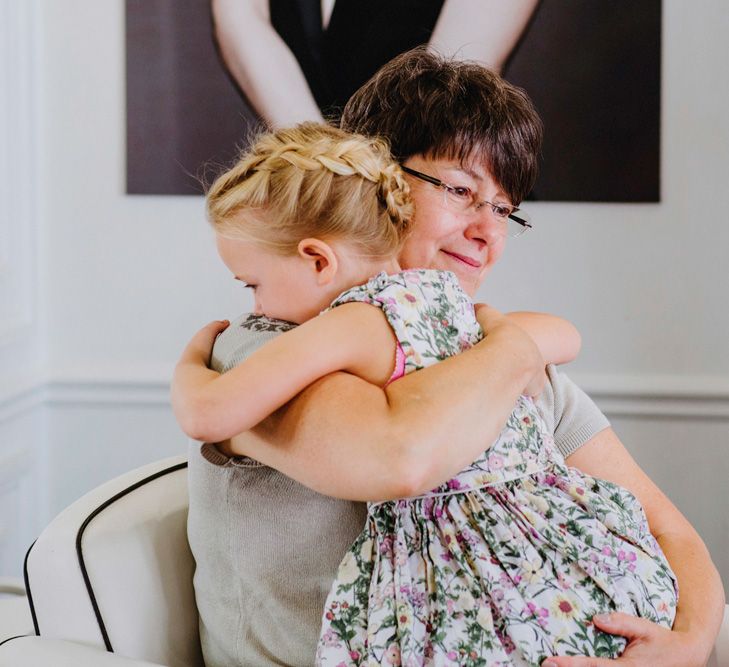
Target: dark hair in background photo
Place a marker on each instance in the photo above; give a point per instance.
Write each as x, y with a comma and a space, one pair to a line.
592, 70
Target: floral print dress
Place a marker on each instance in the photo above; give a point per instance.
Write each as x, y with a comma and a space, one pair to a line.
506, 563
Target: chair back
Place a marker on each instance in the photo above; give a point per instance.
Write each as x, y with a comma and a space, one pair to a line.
114, 569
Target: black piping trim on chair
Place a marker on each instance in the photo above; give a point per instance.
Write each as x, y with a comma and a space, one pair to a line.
9, 639
79, 536
27, 590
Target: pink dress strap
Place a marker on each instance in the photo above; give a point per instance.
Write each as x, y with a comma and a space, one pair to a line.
399, 370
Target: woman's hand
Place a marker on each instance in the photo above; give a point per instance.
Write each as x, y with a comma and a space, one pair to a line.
489, 318
649, 644
701, 602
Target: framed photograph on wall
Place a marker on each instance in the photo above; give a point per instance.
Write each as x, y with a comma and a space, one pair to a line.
197, 87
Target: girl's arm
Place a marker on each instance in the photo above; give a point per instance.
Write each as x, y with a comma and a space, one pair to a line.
558, 340
347, 438
353, 337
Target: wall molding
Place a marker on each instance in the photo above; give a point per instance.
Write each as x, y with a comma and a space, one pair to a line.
649, 396
21, 394
653, 395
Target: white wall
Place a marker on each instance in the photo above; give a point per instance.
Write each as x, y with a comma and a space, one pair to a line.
23, 473
124, 281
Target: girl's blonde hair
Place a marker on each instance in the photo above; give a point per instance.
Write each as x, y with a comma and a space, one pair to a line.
313, 180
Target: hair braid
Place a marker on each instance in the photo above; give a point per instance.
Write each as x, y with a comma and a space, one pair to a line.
313, 180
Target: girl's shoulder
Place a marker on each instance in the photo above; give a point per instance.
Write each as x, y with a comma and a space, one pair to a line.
414, 286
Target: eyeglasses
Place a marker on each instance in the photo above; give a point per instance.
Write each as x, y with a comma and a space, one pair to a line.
465, 200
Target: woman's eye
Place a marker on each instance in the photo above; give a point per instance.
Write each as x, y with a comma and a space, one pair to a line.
461, 192
248, 285
501, 210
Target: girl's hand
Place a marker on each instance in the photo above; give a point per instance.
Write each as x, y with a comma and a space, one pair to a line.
649, 644
200, 347
190, 379
489, 318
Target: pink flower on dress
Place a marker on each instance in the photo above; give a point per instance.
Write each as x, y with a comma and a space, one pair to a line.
329, 638
392, 655
496, 461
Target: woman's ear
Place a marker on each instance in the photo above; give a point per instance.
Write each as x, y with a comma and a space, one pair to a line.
322, 257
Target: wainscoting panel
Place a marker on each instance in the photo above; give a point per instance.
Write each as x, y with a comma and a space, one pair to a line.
23, 486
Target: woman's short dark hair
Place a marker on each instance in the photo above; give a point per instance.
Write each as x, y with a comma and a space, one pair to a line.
425, 104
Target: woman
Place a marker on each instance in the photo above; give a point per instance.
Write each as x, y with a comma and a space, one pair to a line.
449, 123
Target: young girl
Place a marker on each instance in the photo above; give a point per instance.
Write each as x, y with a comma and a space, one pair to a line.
504, 564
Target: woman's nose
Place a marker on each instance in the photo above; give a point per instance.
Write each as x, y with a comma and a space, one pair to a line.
485, 228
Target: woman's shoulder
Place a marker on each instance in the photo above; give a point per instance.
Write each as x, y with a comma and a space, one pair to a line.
243, 337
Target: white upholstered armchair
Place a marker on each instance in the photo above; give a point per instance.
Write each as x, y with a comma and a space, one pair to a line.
110, 580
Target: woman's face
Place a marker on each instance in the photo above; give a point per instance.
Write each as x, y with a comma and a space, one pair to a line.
468, 244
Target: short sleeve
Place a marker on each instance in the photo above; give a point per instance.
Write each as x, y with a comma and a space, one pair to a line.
242, 338
569, 413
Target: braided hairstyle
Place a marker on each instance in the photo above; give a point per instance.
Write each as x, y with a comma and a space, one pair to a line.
313, 180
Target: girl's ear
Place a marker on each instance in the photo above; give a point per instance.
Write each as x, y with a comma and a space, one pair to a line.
322, 258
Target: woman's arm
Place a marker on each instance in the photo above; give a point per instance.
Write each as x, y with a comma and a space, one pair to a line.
482, 30
347, 438
354, 337
261, 62
558, 340
701, 594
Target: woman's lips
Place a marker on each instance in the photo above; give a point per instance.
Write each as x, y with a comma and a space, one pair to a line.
468, 261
